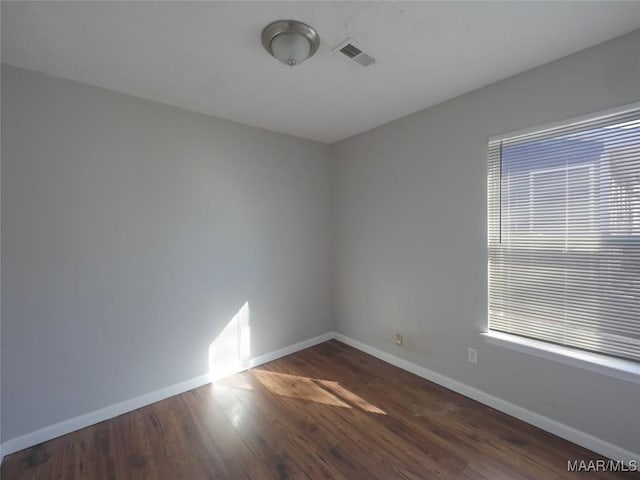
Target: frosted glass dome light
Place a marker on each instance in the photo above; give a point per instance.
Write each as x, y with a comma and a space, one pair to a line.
290, 41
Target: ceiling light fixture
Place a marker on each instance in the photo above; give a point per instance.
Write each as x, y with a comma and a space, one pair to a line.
290, 41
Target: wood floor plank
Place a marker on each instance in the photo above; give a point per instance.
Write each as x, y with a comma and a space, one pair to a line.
328, 412
431, 440
454, 423
431, 434
362, 433
294, 433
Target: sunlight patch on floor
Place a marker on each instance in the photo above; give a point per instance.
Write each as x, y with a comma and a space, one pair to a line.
311, 389
350, 397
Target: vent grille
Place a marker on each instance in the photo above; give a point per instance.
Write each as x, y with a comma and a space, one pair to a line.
349, 50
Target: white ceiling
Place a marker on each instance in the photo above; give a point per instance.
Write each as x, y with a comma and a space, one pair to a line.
207, 56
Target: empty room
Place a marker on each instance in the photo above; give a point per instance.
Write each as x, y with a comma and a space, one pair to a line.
320, 240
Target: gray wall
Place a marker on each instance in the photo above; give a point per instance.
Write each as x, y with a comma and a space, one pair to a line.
133, 232
1, 455
411, 238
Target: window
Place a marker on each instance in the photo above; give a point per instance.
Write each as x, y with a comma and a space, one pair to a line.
564, 234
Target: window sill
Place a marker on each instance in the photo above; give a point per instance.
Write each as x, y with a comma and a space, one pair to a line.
612, 367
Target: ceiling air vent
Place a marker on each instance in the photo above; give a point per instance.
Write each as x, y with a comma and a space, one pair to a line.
348, 49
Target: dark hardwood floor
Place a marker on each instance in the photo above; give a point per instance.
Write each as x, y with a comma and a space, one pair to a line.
326, 412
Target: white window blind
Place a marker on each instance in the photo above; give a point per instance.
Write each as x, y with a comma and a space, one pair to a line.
564, 234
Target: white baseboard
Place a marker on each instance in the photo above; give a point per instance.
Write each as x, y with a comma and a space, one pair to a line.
561, 430
552, 426
91, 418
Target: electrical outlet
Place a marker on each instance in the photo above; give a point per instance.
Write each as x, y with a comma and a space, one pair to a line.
472, 355
399, 340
